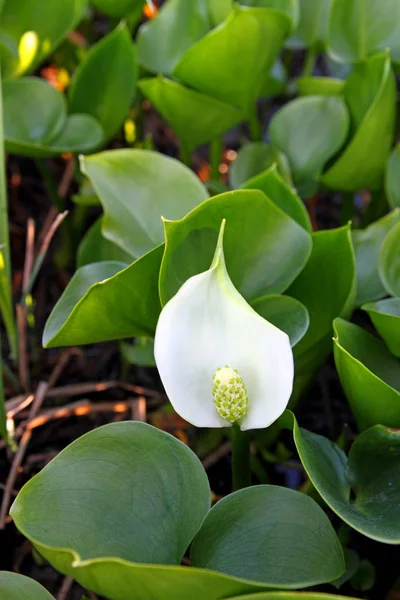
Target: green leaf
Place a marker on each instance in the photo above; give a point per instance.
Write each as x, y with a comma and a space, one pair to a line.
319, 86
290, 596
281, 194
385, 315
264, 249
360, 28
163, 41
252, 159
370, 93
371, 471
37, 28
196, 118
369, 374
326, 287
140, 353
18, 587
389, 261
40, 127
286, 313
269, 534
367, 246
118, 8
311, 30
392, 178
104, 83
107, 301
136, 189
94, 247
326, 117
290, 7
235, 73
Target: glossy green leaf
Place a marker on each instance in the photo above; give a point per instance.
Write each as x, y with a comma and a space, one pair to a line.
367, 247
369, 374
370, 93
319, 86
385, 315
264, 249
286, 313
252, 159
371, 472
361, 27
37, 28
290, 7
163, 41
326, 287
136, 189
196, 118
290, 596
104, 83
281, 194
309, 131
219, 10
107, 301
118, 8
94, 247
311, 30
234, 73
270, 534
392, 178
40, 127
18, 587
389, 261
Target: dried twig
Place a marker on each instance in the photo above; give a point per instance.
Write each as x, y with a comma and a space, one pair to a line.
23, 347
66, 178
65, 588
215, 456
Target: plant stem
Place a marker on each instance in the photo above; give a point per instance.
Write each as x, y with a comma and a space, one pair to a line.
3, 414
254, 125
215, 157
309, 63
185, 156
347, 210
240, 458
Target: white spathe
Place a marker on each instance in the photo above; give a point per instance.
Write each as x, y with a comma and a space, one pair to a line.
208, 325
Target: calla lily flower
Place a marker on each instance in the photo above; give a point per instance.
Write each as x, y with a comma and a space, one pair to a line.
220, 362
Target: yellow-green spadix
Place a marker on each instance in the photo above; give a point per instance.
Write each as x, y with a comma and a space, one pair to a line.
220, 362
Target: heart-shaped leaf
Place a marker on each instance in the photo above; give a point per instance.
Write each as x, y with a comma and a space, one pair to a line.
104, 83
136, 189
264, 249
270, 534
252, 159
369, 374
163, 40
18, 587
370, 93
367, 247
94, 247
107, 301
389, 261
361, 27
392, 178
195, 117
326, 116
234, 73
385, 315
371, 471
286, 313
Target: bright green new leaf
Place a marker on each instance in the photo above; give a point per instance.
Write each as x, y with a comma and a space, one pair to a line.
136, 189
118, 8
163, 41
107, 301
195, 117
369, 374
326, 287
370, 93
385, 315
94, 247
311, 30
37, 28
309, 131
104, 83
18, 587
235, 73
392, 178
286, 313
252, 159
367, 246
371, 472
269, 534
389, 261
319, 86
359, 28
219, 10
264, 249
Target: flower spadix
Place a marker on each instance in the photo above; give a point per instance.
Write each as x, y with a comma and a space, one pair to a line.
220, 362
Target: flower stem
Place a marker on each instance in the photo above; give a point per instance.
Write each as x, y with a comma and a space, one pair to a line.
240, 458
215, 157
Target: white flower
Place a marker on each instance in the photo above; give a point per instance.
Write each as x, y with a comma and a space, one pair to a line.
219, 361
